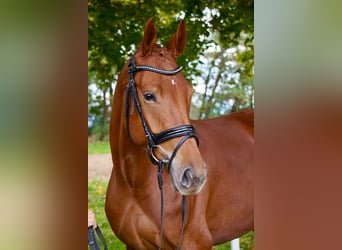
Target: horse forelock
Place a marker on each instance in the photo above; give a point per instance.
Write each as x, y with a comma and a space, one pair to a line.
161, 57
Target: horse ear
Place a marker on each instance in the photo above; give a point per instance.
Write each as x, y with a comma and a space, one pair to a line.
150, 37
178, 40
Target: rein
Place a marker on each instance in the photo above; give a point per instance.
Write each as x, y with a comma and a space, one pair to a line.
92, 241
185, 131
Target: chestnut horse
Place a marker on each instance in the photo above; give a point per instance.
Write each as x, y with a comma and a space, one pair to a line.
151, 109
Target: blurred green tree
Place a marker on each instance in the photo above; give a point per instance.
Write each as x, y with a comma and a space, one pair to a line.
115, 29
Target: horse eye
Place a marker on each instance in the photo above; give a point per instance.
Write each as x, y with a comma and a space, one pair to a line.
150, 97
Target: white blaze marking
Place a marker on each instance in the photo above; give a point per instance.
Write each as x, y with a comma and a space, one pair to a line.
173, 82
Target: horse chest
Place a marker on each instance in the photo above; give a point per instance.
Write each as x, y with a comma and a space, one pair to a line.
134, 226
139, 228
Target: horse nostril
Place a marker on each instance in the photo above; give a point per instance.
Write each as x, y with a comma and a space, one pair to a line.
187, 178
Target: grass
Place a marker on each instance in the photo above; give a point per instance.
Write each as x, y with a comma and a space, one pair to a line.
96, 199
98, 147
246, 243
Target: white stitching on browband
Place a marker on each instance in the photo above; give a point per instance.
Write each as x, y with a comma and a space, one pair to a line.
159, 71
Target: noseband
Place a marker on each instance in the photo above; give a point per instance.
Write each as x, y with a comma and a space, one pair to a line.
154, 140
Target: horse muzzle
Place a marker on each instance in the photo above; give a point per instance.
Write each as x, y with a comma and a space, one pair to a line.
187, 180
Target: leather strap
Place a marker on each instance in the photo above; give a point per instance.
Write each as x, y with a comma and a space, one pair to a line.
92, 240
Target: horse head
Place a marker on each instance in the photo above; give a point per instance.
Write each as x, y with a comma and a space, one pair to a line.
157, 104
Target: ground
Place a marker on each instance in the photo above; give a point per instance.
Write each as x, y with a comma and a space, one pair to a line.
99, 166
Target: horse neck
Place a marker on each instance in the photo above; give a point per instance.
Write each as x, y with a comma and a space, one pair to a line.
130, 161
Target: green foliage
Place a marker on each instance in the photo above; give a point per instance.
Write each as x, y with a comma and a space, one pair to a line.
99, 132
229, 87
247, 241
98, 147
115, 29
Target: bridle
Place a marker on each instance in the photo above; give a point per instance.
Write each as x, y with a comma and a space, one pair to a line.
154, 140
